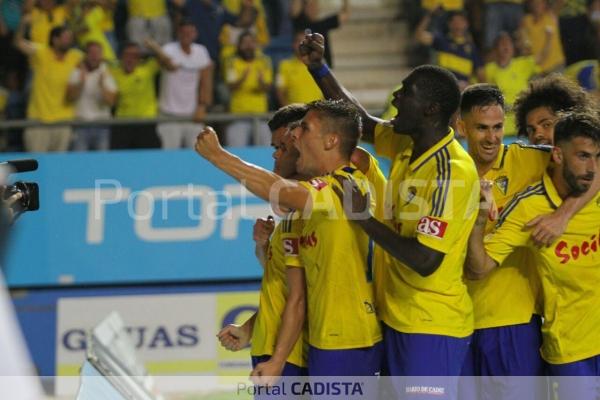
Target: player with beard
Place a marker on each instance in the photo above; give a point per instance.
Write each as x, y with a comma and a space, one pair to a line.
568, 269
276, 329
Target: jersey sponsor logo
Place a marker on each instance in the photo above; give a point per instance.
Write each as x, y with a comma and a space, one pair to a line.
291, 246
502, 184
432, 227
317, 183
308, 240
567, 253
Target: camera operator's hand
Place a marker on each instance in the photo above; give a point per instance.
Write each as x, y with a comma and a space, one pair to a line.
7, 205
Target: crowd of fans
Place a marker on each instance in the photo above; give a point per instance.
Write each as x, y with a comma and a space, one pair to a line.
507, 43
88, 60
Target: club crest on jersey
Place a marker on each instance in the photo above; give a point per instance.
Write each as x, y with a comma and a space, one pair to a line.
502, 184
432, 227
598, 201
291, 246
317, 183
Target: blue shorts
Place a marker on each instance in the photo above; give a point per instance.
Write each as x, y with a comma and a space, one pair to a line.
505, 352
576, 380
365, 361
288, 370
512, 350
428, 364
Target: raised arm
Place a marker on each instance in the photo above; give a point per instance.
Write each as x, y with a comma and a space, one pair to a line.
163, 59
268, 186
422, 35
25, 46
312, 49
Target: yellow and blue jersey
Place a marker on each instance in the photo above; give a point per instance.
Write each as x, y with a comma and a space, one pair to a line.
508, 296
569, 270
458, 56
433, 199
335, 255
281, 254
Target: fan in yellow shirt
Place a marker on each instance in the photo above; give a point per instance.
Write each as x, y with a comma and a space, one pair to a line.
276, 330
568, 269
249, 77
344, 333
52, 66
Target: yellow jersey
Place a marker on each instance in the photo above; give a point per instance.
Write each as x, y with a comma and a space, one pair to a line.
334, 252
534, 33
569, 271
378, 183
447, 5
42, 23
508, 295
137, 94
249, 98
512, 80
273, 292
295, 81
94, 21
48, 101
435, 200
147, 9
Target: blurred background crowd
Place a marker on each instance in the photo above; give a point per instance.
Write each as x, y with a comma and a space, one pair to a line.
171, 64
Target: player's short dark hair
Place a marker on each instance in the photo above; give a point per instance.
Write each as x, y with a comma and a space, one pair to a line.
439, 86
341, 117
480, 95
554, 91
56, 32
581, 123
286, 115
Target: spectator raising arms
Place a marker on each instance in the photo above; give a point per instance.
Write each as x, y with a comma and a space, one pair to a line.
52, 65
